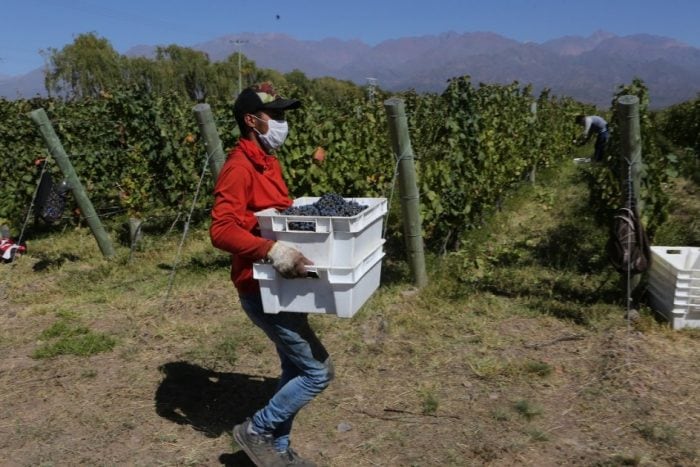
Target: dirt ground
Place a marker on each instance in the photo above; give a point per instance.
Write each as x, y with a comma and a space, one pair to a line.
618, 397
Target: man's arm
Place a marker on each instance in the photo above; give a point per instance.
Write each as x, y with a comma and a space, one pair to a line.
228, 232
227, 229
586, 134
586, 128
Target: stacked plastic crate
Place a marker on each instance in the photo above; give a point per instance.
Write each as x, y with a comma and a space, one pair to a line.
347, 254
674, 284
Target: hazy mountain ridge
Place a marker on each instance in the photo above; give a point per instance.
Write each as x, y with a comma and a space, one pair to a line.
576, 45
586, 68
23, 87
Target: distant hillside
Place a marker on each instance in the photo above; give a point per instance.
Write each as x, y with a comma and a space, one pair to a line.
586, 68
25, 86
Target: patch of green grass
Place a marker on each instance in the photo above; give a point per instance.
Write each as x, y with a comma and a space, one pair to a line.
81, 345
489, 367
538, 368
621, 459
170, 438
88, 373
673, 233
62, 329
429, 401
536, 434
223, 346
500, 414
553, 260
66, 314
68, 339
693, 333
658, 433
226, 350
527, 409
564, 310
682, 227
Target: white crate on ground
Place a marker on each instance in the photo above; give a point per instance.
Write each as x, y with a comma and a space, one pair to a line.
674, 284
337, 291
337, 242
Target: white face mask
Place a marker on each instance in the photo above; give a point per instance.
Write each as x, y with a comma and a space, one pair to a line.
277, 131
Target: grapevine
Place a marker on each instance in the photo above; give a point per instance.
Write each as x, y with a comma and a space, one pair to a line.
139, 151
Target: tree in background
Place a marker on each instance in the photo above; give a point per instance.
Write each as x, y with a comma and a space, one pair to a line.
90, 67
297, 79
185, 70
84, 68
332, 91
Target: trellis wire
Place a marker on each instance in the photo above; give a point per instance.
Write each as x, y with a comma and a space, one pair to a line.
31, 205
186, 229
393, 186
629, 243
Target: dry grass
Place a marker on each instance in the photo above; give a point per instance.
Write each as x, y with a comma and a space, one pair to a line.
516, 353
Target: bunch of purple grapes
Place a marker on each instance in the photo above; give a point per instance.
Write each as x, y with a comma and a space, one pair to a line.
329, 205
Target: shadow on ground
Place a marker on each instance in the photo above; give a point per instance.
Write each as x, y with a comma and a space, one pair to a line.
238, 459
203, 262
574, 248
209, 401
53, 262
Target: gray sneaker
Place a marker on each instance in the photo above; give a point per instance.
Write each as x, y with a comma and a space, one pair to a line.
291, 458
259, 448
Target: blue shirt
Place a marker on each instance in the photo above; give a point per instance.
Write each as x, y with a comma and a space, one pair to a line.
594, 124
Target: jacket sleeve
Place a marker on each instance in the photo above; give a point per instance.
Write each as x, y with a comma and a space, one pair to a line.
586, 129
228, 231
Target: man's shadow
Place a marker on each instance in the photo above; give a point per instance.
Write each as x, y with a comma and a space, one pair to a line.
210, 401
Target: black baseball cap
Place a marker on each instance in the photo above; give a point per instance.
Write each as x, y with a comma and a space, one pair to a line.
261, 97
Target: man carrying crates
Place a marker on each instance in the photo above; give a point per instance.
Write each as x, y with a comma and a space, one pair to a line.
251, 181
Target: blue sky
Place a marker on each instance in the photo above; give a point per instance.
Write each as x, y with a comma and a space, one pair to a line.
29, 26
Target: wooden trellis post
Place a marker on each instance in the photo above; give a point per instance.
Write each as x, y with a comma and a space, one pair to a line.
53, 143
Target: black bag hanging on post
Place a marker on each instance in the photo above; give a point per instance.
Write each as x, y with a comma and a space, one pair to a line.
628, 246
51, 199
43, 192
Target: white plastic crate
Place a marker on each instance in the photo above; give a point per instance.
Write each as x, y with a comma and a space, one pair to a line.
337, 291
674, 284
335, 242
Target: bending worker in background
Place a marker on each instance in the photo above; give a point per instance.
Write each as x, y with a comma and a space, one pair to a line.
250, 181
593, 124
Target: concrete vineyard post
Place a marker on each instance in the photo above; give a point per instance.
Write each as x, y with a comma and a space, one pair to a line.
408, 188
212, 142
59, 154
631, 139
631, 160
135, 232
533, 129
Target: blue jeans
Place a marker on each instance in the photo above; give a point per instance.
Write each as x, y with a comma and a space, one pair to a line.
600, 142
306, 368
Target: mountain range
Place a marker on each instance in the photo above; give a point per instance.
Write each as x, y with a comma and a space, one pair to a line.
588, 69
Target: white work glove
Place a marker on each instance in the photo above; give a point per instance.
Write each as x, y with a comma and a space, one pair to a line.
288, 261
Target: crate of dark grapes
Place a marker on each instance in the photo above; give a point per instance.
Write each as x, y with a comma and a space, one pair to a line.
331, 231
343, 238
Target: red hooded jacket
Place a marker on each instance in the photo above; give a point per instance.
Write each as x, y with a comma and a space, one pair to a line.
250, 181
